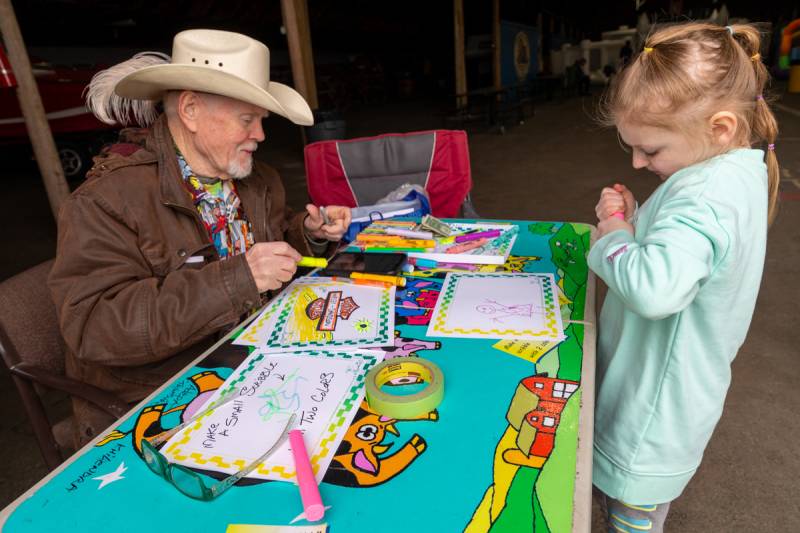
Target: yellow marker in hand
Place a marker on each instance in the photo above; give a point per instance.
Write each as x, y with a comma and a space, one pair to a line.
313, 262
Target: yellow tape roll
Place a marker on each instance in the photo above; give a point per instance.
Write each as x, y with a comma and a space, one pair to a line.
411, 405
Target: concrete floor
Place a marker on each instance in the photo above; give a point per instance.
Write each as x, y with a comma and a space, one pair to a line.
550, 168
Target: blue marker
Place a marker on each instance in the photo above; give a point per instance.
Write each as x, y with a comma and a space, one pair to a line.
424, 263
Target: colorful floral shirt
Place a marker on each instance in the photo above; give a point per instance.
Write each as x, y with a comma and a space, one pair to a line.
220, 209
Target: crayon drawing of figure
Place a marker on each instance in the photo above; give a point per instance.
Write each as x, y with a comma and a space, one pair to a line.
498, 311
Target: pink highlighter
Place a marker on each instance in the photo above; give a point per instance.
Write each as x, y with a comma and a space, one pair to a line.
309, 491
618, 214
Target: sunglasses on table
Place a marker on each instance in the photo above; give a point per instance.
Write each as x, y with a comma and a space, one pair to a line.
190, 482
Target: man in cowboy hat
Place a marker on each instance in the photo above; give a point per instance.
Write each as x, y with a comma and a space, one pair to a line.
177, 231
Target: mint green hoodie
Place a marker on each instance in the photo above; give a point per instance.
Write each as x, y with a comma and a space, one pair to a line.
681, 296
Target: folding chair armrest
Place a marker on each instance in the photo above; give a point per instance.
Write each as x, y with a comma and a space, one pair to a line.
467, 209
102, 399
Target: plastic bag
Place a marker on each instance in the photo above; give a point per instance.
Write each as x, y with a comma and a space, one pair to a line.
406, 201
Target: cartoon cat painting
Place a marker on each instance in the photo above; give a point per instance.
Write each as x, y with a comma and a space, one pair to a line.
363, 458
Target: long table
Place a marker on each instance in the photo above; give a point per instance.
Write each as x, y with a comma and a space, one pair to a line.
459, 468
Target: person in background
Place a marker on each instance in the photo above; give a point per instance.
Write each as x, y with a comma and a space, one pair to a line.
684, 269
577, 76
178, 231
625, 54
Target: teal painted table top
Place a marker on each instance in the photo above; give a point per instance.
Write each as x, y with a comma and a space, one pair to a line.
499, 454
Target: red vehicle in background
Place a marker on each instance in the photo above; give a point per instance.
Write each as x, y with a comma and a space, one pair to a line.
78, 134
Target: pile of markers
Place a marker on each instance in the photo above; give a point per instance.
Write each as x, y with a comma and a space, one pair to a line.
394, 236
405, 236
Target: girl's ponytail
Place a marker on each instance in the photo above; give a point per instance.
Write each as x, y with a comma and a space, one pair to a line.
764, 127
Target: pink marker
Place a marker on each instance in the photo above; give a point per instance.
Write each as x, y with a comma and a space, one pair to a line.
618, 214
490, 234
309, 491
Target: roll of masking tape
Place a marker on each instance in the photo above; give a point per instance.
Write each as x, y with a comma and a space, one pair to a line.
405, 370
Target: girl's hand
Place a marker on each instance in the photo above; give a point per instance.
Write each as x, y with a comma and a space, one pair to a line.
630, 201
612, 224
614, 200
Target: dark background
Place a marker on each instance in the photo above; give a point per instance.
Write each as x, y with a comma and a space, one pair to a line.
411, 39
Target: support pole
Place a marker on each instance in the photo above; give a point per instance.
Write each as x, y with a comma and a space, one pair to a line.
298, 34
461, 70
44, 147
498, 82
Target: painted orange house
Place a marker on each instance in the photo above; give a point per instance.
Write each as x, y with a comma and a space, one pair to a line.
535, 412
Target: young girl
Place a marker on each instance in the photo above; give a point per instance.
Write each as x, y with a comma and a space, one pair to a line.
683, 270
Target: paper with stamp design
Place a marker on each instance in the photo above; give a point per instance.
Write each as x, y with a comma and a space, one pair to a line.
322, 313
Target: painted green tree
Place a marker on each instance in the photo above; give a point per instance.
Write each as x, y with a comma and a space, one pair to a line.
569, 247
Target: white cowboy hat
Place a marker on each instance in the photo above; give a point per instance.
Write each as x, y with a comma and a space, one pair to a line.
218, 62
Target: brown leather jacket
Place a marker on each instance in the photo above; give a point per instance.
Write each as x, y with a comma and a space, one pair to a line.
137, 283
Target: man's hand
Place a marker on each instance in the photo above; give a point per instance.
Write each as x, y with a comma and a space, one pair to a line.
613, 200
316, 227
272, 264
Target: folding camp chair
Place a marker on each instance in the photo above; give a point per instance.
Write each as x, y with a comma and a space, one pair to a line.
33, 350
359, 172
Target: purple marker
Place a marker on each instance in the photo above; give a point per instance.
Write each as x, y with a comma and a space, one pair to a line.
479, 235
458, 266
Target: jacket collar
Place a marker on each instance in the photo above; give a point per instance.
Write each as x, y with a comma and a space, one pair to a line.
160, 142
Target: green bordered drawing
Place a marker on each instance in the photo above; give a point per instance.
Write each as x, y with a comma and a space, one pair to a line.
335, 429
441, 324
253, 334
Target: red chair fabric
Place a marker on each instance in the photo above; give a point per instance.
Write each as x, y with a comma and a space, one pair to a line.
361, 171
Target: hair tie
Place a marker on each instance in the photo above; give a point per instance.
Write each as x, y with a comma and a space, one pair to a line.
730, 30
648, 49
755, 57
771, 147
759, 97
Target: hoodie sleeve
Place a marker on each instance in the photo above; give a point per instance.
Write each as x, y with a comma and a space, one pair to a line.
659, 273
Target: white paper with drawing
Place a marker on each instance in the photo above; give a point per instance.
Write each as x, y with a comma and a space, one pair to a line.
323, 389
498, 306
322, 313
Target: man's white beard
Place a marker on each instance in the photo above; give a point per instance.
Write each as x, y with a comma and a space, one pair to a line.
238, 172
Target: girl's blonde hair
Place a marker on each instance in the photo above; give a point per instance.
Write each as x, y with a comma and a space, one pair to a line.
688, 72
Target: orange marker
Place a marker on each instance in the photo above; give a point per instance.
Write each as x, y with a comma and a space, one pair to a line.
466, 246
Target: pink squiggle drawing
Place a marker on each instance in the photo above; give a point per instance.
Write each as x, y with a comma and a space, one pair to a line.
500, 311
